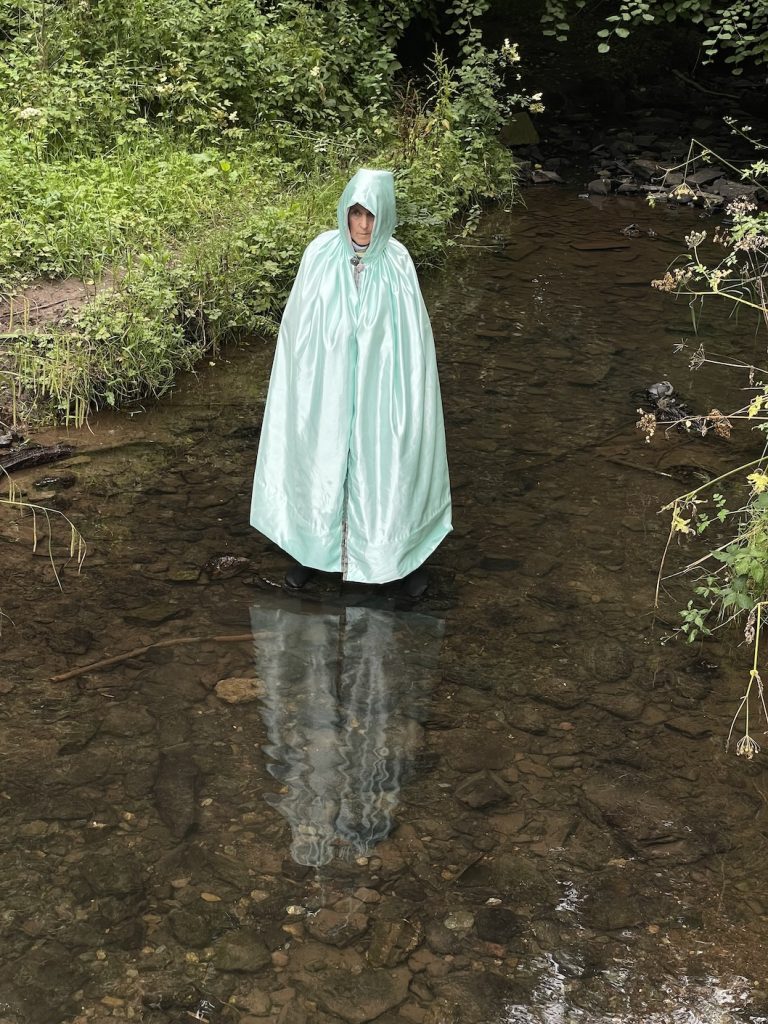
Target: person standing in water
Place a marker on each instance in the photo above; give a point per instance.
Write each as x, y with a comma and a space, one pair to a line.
352, 474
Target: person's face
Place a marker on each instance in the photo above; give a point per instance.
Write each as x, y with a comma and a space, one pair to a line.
360, 223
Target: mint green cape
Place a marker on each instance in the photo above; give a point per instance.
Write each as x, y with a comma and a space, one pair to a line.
351, 474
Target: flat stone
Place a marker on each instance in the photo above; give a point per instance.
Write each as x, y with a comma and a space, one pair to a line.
459, 921
564, 762
647, 170
558, 691
348, 905
336, 929
484, 789
529, 767
367, 895
475, 996
118, 874
689, 725
468, 750
155, 614
255, 1002
175, 792
242, 950
623, 705
358, 998
652, 828
441, 939
609, 660
542, 177
528, 719
196, 927
125, 720
392, 942
239, 690
521, 879
497, 924
74, 640
39, 988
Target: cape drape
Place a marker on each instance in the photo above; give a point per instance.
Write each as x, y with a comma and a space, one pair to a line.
351, 474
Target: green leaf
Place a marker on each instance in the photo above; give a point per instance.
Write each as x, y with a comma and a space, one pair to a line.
603, 48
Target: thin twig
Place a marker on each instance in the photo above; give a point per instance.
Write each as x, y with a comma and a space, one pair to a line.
138, 651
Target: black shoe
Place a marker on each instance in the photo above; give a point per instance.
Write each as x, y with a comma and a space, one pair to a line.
415, 584
298, 576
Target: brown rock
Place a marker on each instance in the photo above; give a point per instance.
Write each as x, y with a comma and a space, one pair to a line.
337, 929
358, 998
238, 690
393, 941
367, 895
254, 1002
468, 750
482, 789
241, 950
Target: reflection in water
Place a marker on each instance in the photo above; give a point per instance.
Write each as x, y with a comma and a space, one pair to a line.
345, 693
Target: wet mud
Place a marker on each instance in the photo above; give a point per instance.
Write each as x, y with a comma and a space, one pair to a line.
506, 803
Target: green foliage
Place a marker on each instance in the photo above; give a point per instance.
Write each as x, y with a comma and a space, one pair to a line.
731, 578
734, 30
192, 232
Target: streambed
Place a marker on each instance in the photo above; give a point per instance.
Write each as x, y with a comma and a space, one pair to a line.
506, 804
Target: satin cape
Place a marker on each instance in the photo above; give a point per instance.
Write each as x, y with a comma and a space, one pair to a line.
351, 474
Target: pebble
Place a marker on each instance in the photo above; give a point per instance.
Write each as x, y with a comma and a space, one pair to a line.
459, 921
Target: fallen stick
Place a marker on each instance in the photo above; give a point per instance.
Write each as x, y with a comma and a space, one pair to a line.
703, 88
95, 666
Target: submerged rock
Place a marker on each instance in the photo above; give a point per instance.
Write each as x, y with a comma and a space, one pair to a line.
459, 921
472, 996
482, 790
242, 950
39, 988
236, 690
337, 929
359, 998
648, 825
176, 792
393, 941
114, 874
497, 924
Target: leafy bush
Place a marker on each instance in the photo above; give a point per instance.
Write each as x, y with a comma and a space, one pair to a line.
183, 152
736, 30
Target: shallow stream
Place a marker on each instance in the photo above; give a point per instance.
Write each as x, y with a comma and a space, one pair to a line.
508, 803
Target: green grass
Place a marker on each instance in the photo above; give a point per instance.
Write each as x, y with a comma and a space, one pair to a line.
200, 248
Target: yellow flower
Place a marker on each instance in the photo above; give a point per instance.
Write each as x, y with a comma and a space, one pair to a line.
756, 405
759, 481
680, 525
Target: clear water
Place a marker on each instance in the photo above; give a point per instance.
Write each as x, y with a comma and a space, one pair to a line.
507, 804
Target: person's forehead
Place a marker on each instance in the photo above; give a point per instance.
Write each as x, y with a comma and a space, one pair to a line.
359, 208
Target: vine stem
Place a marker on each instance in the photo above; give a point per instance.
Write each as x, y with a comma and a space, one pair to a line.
692, 494
726, 295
